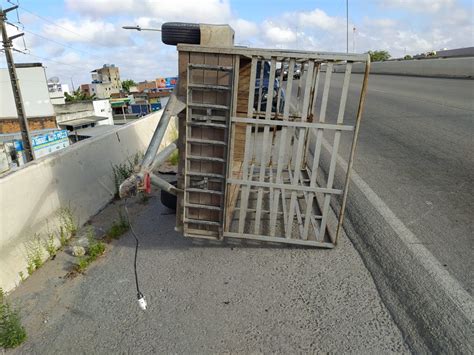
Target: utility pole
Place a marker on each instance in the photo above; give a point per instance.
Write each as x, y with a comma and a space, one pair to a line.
20, 108
347, 26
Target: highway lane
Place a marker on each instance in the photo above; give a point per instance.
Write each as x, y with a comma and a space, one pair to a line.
416, 151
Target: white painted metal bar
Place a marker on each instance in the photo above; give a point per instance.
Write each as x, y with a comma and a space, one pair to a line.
244, 194
319, 137
335, 147
278, 53
279, 240
282, 148
323, 190
338, 127
299, 152
264, 157
353, 148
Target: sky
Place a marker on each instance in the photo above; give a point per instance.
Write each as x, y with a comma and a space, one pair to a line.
73, 37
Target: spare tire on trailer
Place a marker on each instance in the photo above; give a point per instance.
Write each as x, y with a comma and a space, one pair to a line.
167, 199
173, 33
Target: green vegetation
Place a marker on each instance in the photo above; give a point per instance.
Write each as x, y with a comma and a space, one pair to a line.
379, 56
12, 332
127, 84
96, 248
124, 171
407, 57
34, 254
174, 158
67, 222
78, 95
50, 245
118, 228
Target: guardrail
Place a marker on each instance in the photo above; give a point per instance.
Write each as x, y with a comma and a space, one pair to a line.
439, 67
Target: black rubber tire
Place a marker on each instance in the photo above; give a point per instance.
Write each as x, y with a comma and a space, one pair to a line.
173, 33
167, 199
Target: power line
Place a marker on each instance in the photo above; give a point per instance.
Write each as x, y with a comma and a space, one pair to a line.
47, 59
62, 44
54, 23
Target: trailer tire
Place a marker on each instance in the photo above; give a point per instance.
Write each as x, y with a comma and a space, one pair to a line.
173, 33
167, 199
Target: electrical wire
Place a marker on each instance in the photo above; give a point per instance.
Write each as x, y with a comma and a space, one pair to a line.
137, 244
54, 23
46, 59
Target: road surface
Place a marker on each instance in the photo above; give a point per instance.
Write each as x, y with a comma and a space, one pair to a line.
416, 151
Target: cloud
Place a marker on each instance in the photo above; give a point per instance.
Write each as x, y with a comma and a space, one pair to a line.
419, 5
319, 19
93, 32
244, 30
276, 34
206, 11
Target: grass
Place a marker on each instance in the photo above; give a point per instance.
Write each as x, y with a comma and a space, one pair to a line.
12, 332
96, 248
118, 228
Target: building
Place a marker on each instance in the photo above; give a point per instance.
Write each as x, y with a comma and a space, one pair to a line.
105, 81
77, 116
57, 91
36, 99
147, 86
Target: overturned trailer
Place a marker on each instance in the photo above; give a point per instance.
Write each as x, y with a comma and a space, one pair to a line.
250, 145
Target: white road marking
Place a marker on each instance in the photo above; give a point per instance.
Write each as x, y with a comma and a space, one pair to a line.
460, 297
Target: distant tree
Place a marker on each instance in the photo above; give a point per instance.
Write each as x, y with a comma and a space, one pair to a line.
407, 57
379, 56
127, 84
78, 95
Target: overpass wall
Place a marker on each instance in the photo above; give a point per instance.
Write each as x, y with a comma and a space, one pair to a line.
440, 67
79, 177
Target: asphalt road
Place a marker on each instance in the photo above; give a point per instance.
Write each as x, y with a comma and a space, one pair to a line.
416, 151
411, 201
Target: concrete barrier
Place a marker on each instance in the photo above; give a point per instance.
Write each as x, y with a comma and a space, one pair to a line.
79, 177
440, 67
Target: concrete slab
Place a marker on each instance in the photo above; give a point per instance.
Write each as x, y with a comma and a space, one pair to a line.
205, 298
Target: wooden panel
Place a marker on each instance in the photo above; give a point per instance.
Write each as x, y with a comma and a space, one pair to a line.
183, 60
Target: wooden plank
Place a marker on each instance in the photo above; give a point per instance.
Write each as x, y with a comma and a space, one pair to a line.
183, 60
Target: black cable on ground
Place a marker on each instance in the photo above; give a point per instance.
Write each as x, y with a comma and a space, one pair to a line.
141, 298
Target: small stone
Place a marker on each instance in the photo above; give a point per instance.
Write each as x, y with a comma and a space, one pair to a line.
78, 251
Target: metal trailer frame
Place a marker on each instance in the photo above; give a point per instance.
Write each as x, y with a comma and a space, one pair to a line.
244, 183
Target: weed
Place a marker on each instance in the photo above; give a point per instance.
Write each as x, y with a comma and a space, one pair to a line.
82, 264
118, 227
30, 268
12, 332
174, 158
22, 276
50, 245
96, 249
123, 171
34, 254
63, 239
67, 222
